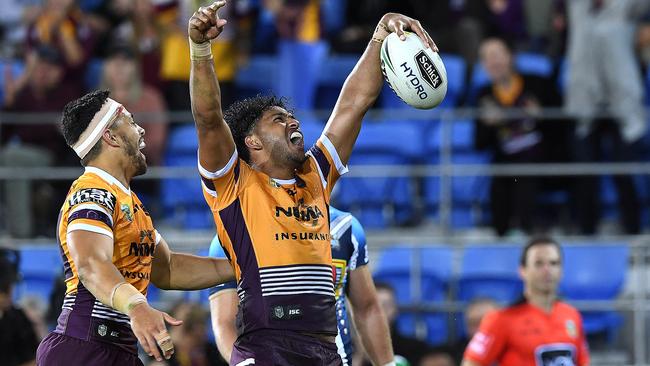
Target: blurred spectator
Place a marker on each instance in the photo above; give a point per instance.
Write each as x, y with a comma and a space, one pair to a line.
35, 309
14, 18
409, 348
514, 140
360, 22
604, 76
296, 19
643, 40
457, 26
506, 20
539, 24
18, 339
191, 344
121, 77
62, 26
40, 89
138, 26
437, 356
55, 301
228, 49
474, 312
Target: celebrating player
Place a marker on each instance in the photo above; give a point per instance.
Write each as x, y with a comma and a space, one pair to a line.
540, 329
269, 199
353, 281
108, 241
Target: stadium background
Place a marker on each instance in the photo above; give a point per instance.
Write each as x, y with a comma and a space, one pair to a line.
417, 183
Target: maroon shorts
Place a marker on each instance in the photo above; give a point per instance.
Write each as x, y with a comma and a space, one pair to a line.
61, 350
283, 348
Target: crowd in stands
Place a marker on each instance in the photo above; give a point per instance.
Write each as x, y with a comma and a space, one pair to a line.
55, 50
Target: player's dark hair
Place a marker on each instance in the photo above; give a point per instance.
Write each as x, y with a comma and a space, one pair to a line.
242, 116
541, 240
77, 116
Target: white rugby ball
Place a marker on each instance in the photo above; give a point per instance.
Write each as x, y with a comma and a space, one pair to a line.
416, 74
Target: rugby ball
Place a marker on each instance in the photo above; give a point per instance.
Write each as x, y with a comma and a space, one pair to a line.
416, 74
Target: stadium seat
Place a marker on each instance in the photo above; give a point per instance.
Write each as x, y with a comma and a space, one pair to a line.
585, 279
39, 266
456, 69
257, 76
381, 201
15, 68
297, 72
534, 64
396, 267
93, 74
334, 71
490, 271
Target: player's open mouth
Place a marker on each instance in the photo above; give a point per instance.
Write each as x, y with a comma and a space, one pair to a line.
296, 137
142, 144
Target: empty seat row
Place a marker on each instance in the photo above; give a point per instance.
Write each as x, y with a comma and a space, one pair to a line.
433, 274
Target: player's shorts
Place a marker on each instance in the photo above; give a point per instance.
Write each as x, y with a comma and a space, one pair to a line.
268, 347
62, 350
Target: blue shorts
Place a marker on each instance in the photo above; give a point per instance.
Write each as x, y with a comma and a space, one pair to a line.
268, 347
62, 350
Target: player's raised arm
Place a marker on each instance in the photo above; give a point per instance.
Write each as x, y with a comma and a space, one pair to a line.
216, 144
364, 83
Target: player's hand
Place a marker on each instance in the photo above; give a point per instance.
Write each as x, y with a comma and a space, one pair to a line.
205, 24
148, 325
398, 23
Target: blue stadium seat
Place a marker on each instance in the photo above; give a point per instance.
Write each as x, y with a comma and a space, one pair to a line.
534, 64
183, 140
299, 65
257, 76
490, 271
16, 68
93, 74
469, 194
380, 201
333, 15
456, 69
585, 279
396, 266
334, 71
311, 128
39, 266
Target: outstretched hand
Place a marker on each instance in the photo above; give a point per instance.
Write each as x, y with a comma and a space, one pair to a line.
205, 24
398, 23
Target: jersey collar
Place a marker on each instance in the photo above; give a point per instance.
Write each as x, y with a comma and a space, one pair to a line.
108, 178
283, 182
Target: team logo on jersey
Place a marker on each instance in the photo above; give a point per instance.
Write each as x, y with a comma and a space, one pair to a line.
127, 211
94, 195
278, 311
300, 212
557, 354
102, 329
571, 329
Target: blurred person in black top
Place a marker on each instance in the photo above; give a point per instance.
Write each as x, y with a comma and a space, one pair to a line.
18, 340
515, 140
411, 349
42, 88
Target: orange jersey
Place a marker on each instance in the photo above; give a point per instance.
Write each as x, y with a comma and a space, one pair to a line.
524, 335
276, 235
99, 203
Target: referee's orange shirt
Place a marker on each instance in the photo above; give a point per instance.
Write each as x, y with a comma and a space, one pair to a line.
525, 335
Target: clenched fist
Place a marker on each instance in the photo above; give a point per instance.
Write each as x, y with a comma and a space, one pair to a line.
205, 25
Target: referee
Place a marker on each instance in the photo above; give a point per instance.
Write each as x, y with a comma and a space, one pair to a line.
537, 330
